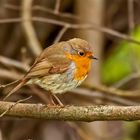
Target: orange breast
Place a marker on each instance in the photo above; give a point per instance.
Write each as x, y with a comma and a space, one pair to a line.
82, 68
83, 65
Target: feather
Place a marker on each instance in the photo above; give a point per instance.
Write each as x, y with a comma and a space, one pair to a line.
22, 83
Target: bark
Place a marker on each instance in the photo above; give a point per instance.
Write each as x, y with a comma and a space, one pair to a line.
70, 113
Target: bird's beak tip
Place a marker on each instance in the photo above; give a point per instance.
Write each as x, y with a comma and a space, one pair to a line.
93, 57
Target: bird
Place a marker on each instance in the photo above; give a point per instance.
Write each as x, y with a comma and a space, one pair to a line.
60, 67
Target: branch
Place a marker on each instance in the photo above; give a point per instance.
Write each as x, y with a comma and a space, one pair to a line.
86, 26
61, 33
83, 26
71, 113
32, 39
72, 26
13, 63
127, 79
9, 74
57, 6
114, 91
131, 23
91, 95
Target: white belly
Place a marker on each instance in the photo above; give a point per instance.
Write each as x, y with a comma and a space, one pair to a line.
58, 83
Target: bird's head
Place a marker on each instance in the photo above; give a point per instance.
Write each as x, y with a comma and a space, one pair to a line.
79, 50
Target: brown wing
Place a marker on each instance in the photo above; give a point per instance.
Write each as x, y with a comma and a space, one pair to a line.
51, 60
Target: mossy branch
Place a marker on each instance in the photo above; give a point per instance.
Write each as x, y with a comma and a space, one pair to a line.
70, 113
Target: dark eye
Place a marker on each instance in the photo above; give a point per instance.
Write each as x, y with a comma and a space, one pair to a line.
81, 53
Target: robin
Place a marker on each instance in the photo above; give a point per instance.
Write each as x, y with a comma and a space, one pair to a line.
60, 67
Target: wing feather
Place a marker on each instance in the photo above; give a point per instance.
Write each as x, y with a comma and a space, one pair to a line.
50, 62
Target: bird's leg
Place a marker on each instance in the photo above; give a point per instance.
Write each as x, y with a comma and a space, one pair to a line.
51, 99
58, 100
51, 96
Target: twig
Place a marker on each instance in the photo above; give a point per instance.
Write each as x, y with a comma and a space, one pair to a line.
131, 25
10, 20
19, 101
131, 15
79, 26
9, 84
127, 79
9, 74
57, 6
100, 95
61, 33
113, 91
13, 63
75, 26
12, 7
47, 10
32, 39
71, 113
87, 26
60, 14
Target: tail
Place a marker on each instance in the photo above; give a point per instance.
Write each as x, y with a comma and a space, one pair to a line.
21, 83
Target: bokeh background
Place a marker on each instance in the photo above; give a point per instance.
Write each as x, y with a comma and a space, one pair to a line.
113, 29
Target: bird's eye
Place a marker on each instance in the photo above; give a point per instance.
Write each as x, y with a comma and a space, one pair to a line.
81, 53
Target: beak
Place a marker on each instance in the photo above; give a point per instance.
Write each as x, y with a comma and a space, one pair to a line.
92, 57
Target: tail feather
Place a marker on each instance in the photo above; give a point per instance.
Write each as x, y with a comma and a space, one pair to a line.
22, 83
